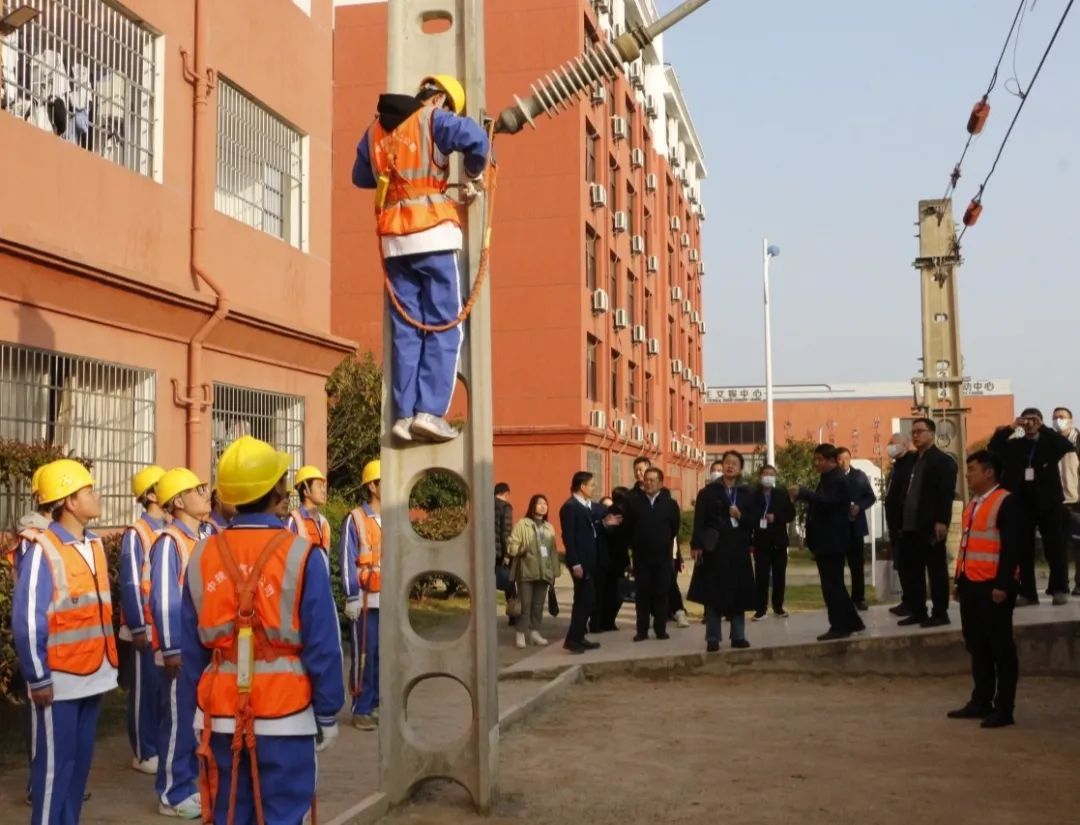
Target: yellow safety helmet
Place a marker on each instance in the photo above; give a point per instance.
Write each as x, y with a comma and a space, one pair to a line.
372, 472
145, 479
178, 480
35, 480
248, 470
455, 92
62, 478
308, 473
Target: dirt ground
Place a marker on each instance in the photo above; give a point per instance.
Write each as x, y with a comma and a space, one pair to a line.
760, 750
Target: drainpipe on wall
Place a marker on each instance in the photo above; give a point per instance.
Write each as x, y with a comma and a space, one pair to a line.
199, 395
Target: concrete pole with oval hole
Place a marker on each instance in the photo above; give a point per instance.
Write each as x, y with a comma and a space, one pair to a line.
441, 37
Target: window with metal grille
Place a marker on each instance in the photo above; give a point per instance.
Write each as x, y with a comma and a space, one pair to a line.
86, 71
260, 167
591, 345
273, 417
91, 409
730, 433
591, 243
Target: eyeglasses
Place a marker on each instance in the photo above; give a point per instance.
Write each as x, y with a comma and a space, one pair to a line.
202, 489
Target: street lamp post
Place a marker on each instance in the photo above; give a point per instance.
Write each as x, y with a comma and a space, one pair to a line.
768, 252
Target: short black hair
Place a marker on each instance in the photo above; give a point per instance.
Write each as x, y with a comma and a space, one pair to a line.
985, 458
826, 451
1031, 411
1064, 410
580, 477
641, 460
840, 450
737, 454
659, 473
765, 467
719, 462
263, 504
429, 91
929, 422
502, 488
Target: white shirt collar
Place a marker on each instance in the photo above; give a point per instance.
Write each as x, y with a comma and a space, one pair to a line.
583, 501
983, 497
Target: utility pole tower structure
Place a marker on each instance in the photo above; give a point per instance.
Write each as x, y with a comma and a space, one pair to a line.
938, 391
428, 37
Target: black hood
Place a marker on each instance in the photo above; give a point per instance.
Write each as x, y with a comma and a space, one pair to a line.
396, 109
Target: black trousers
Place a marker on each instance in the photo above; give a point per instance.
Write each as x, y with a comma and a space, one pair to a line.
770, 561
856, 564
988, 636
1069, 519
652, 578
608, 599
584, 600
1051, 524
674, 601
843, 617
922, 556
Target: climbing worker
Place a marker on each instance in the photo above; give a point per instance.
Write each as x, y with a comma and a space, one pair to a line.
259, 639
135, 547
360, 549
63, 630
186, 499
220, 512
404, 157
306, 520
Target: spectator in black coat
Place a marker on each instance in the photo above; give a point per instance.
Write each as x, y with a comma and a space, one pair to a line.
903, 458
504, 524
723, 577
676, 608
610, 583
769, 539
828, 532
862, 499
925, 516
581, 522
653, 527
1030, 470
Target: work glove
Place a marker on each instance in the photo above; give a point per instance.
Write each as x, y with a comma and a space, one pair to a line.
326, 737
352, 610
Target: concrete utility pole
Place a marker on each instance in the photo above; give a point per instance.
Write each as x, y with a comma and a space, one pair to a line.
408, 756
938, 390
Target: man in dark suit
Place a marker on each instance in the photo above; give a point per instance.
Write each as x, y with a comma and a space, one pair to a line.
828, 534
1030, 471
862, 499
925, 515
504, 523
653, 527
986, 586
903, 457
581, 522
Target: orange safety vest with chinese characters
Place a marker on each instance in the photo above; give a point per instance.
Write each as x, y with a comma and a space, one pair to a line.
316, 530
415, 198
369, 548
185, 544
80, 612
980, 543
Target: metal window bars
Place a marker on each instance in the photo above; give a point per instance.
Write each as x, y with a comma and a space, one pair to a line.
92, 409
273, 417
260, 167
85, 71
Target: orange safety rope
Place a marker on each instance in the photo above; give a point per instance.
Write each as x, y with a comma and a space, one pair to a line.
482, 267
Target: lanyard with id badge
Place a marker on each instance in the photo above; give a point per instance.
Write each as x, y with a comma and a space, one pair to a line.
764, 523
1029, 471
540, 540
732, 497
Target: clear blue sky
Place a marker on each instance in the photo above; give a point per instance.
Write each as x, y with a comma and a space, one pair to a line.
823, 124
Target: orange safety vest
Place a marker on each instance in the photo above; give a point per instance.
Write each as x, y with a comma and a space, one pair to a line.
415, 197
186, 545
368, 549
316, 530
80, 612
147, 535
980, 543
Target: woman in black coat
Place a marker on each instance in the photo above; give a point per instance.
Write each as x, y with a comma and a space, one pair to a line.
723, 577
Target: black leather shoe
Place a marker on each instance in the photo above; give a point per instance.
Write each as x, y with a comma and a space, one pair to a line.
900, 610
912, 620
863, 606
573, 647
640, 637
662, 635
829, 635
585, 643
712, 647
934, 621
998, 720
740, 644
970, 711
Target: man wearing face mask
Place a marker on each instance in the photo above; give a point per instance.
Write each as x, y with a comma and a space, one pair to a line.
903, 457
1031, 472
1069, 468
770, 542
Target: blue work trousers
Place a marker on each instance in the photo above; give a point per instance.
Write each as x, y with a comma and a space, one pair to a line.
143, 703
64, 735
425, 363
287, 776
178, 764
366, 698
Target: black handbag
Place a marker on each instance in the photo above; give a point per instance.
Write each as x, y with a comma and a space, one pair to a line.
553, 602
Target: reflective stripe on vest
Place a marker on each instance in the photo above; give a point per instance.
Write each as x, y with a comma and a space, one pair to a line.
980, 543
368, 548
280, 686
316, 530
416, 194
147, 536
80, 612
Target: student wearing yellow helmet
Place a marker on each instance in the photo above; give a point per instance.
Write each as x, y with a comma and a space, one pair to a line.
306, 520
404, 157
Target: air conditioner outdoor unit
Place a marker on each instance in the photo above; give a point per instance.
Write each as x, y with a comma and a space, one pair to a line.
618, 127
618, 222
701, 213
675, 223
637, 433
654, 438
652, 264
687, 307
597, 419
637, 158
701, 269
637, 334
650, 106
620, 318
676, 293
702, 327
620, 426
598, 94
676, 366
597, 195
600, 301
653, 346
695, 256
637, 244
684, 241
695, 317
687, 374
675, 446
637, 76
650, 182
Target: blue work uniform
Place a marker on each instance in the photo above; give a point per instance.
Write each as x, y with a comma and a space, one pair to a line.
363, 687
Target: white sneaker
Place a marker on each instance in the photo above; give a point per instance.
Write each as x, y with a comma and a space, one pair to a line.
537, 639
190, 808
401, 429
680, 619
149, 766
519, 641
432, 428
